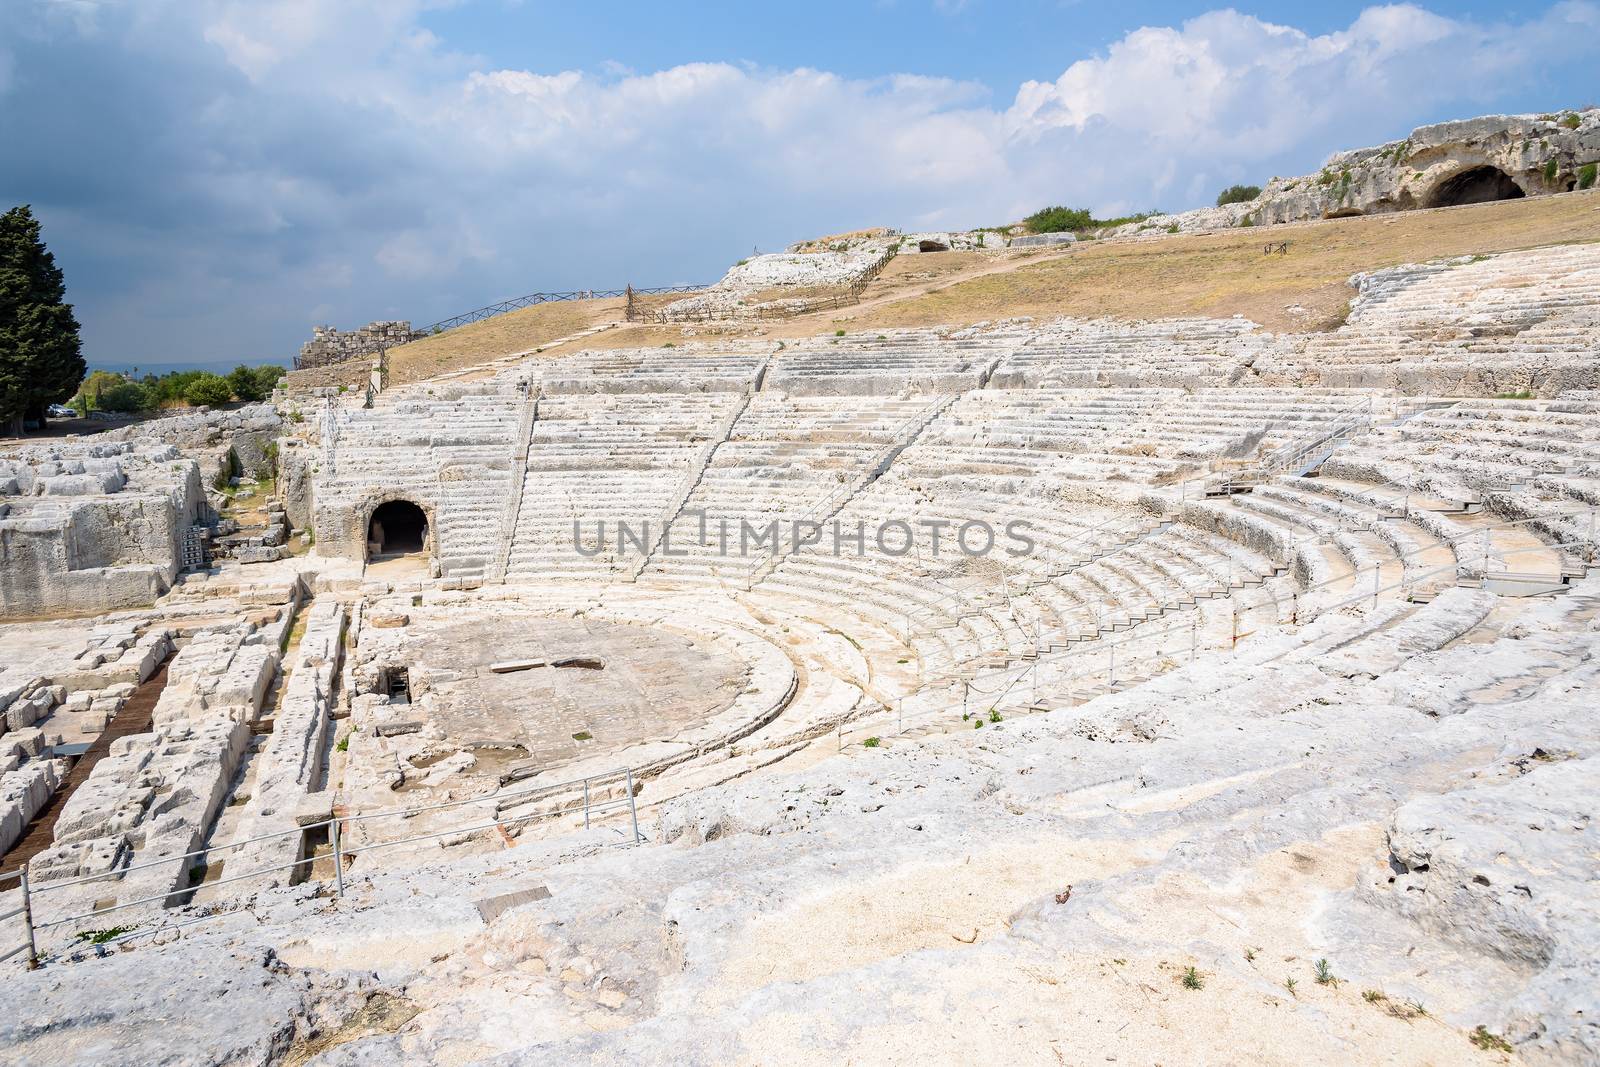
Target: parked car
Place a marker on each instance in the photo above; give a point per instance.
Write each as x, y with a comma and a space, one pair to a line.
60, 411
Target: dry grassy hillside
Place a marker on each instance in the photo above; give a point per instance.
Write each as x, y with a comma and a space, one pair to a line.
1218, 274
1229, 273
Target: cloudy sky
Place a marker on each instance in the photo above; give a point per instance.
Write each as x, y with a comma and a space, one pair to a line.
217, 175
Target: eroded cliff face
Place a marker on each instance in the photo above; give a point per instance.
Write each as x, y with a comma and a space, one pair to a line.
1496, 157
1471, 161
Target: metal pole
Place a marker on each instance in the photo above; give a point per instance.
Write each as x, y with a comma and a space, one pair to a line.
1194, 635
338, 857
633, 808
27, 920
1377, 583
900, 715
586, 803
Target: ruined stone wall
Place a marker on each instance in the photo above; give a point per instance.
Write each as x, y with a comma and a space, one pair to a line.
329, 346
210, 435
75, 542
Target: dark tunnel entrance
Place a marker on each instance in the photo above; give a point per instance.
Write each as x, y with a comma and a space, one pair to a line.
397, 527
1479, 185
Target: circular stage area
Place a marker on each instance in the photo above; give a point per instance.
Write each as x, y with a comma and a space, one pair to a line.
459, 696
514, 688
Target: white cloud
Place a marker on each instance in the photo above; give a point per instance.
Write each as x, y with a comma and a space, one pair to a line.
274, 150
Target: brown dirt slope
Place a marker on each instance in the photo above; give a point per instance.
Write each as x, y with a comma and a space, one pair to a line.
1217, 274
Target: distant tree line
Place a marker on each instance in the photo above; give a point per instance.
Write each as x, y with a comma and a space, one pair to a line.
107, 391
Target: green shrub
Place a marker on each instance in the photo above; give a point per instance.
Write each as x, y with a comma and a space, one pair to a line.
105, 391
871, 742
1586, 174
1238, 194
1173, 228
209, 390
1057, 219
1247, 221
1192, 979
1571, 122
1551, 169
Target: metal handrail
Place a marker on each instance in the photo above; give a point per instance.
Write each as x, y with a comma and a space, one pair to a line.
517, 303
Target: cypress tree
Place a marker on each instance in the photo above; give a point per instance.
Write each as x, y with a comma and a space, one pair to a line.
41, 358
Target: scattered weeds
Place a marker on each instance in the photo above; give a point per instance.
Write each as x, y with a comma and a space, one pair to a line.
1483, 1039
111, 933
1192, 979
1324, 973
871, 742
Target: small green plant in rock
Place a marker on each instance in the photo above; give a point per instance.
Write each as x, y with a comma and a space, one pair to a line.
994, 716
872, 742
1551, 169
1571, 122
977, 724
1192, 979
1324, 973
1483, 1039
1289, 984
111, 933
838, 333
1249, 955
1586, 176
1373, 996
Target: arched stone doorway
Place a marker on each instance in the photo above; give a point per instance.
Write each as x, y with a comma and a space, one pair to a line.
1476, 185
396, 528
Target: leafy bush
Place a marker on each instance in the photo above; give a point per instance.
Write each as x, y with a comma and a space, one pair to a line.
104, 391
1551, 169
242, 381
1586, 174
1238, 194
209, 390
1571, 122
254, 383
1058, 219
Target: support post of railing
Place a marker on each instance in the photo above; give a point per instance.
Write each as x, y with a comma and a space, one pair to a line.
1377, 583
633, 808
586, 803
338, 856
899, 715
27, 920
